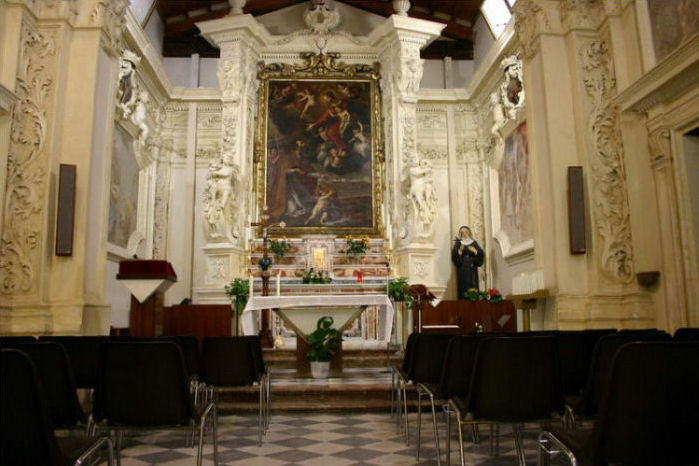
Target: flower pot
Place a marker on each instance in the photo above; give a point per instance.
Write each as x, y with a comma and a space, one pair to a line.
320, 369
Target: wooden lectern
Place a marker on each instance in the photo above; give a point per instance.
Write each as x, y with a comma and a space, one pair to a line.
147, 280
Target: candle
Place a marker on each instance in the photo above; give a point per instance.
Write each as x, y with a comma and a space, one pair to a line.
279, 283
250, 282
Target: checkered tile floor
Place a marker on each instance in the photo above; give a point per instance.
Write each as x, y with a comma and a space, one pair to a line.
335, 439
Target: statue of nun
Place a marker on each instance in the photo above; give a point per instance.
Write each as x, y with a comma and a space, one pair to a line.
467, 255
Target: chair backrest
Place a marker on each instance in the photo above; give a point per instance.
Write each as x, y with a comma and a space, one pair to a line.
26, 428
428, 357
190, 350
257, 355
516, 379
686, 334
84, 353
409, 350
458, 364
649, 412
601, 363
52, 363
228, 362
142, 384
18, 339
575, 360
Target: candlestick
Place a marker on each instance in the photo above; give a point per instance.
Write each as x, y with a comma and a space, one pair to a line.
279, 283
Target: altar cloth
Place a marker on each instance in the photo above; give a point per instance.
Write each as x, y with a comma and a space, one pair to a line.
289, 302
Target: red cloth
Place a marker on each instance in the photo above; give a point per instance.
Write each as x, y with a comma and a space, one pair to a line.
142, 268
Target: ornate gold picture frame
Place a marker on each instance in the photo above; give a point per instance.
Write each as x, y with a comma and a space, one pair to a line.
319, 160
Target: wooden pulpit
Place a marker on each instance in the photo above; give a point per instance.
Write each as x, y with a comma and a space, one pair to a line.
147, 280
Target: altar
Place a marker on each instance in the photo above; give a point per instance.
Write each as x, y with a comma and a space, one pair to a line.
301, 312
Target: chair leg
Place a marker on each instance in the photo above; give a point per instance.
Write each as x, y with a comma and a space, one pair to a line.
475, 434
447, 414
494, 439
405, 414
517, 431
393, 393
436, 431
117, 445
399, 405
259, 417
200, 449
461, 439
214, 433
419, 423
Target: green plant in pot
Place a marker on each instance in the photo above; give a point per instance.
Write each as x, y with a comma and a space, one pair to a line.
238, 291
322, 345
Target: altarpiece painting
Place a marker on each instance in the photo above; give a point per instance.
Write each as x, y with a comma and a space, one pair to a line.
318, 146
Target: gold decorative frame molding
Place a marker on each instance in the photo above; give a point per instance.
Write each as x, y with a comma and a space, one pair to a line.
322, 67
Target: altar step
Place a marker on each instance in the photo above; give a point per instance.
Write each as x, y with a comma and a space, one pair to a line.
360, 389
286, 359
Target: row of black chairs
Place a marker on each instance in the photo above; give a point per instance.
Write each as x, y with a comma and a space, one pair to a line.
149, 367
494, 378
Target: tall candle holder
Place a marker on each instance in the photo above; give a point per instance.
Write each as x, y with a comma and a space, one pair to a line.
266, 337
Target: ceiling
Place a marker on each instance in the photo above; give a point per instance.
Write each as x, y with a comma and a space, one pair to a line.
182, 39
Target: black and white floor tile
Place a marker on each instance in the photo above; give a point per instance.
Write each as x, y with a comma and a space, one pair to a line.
333, 439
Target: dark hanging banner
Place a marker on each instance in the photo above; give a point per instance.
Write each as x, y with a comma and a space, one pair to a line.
576, 210
66, 210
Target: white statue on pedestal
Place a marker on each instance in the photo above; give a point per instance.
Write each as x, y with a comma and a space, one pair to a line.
218, 201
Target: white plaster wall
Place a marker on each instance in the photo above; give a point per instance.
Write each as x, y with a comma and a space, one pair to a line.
141, 8
177, 69
155, 30
433, 75
207, 72
179, 250
483, 39
462, 72
117, 296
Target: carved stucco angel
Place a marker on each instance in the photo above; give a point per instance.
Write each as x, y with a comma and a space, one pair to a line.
421, 192
219, 197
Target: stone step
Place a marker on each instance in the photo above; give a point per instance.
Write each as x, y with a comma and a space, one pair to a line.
358, 389
286, 359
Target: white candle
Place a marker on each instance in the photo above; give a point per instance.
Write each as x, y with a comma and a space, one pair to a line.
279, 283
251, 281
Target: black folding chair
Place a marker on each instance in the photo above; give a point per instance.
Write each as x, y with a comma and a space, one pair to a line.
398, 379
84, 354
229, 362
586, 405
425, 371
144, 385
18, 339
648, 414
686, 334
52, 363
26, 428
263, 374
515, 380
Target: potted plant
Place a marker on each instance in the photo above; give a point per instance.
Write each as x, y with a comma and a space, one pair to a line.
322, 345
398, 290
237, 291
356, 247
279, 247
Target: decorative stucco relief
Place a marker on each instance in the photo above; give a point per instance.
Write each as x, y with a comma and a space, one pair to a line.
509, 99
609, 191
530, 20
23, 225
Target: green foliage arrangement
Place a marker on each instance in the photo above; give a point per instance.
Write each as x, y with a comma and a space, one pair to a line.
398, 290
357, 246
279, 247
238, 292
316, 277
324, 341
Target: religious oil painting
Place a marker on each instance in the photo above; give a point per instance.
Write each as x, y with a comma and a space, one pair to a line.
123, 190
515, 190
672, 22
320, 166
